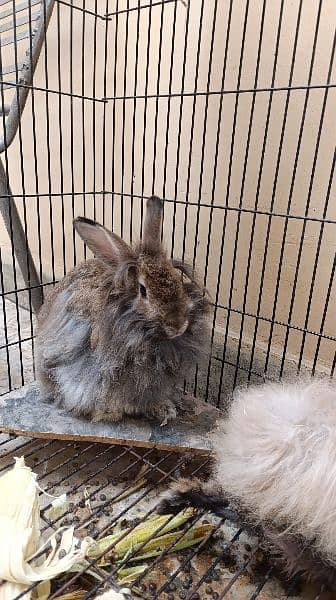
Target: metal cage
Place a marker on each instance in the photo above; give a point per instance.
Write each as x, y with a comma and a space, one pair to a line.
225, 109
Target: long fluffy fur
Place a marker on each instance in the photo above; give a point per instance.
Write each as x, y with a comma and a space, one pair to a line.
277, 454
104, 352
276, 460
129, 368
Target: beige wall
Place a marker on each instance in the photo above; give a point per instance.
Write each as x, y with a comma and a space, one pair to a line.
117, 141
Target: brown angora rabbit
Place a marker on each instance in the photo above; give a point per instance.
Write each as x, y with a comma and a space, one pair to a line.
275, 472
118, 333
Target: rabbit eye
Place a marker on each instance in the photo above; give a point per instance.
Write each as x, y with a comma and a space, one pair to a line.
143, 291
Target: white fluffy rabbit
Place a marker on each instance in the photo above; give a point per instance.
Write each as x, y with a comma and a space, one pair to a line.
275, 464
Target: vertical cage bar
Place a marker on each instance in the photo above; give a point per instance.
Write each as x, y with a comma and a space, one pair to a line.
72, 131
310, 189
165, 164
288, 208
157, 99
47, 112
228, 184
23, 188
5, 324
214, 176
241, 196
83, 114
261, 168
193, 115
123, 143
10, 216
60, 107
145, 114
134, 119
104, 136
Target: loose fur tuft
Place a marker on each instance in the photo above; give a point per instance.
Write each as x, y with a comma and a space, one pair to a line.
187, 492
294, 555
276, 466
196, 494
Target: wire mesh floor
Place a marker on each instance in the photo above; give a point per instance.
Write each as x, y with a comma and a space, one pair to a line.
113, 488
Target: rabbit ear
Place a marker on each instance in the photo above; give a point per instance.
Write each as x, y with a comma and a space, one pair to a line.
103, 243
153, 222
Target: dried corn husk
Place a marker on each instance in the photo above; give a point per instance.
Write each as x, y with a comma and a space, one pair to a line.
57, 508
161, 524
157, 545
109, 595
130, 574
74, 595
20, 541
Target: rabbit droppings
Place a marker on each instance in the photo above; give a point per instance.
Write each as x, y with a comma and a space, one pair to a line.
275, 471
119, 332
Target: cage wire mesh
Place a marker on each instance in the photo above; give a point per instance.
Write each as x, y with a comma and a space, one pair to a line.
112, 490
226, 110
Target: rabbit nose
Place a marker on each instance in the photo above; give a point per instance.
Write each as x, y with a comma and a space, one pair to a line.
174, 332
183, 328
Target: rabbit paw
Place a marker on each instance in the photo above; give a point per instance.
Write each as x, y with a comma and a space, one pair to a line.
108, 417
165, 413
